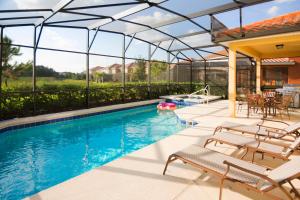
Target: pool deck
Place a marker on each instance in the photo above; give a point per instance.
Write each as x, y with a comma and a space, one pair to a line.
138, 175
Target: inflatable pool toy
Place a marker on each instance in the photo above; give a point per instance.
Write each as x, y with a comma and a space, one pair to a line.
166, 106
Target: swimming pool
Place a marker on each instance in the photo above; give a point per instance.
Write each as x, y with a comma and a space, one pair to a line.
33, 159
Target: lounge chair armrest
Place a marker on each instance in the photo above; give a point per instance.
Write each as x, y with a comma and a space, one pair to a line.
270, 142
280, 134
276, 130
246, 170
272, 129
272, 120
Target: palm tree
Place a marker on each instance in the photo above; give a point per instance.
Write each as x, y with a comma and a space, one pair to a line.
8, 52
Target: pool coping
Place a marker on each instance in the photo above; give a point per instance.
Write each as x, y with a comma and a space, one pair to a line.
37, 120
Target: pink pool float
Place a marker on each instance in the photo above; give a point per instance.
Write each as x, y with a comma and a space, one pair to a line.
166, 106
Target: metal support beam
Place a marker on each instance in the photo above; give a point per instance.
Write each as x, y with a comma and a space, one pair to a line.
214, 10
128, 45
34, 61
185, 56
123, 67
87, 68
196, 47
153, 52
59, 6
1, 57
191, 76
103, 6
130, 11
218, 54
205, 82
169, 70
162, 32
64, 26
90, 44
16, 18
183, 16
101, 16
73, 20
186, 35
25, 10
175, 57
177, 75
149, 70
139, 39
241, 22
36, 44
84, 52
169, 47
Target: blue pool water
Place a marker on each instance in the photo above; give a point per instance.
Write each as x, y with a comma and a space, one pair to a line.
33, 159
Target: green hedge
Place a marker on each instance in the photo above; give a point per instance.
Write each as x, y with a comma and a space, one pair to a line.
50, 99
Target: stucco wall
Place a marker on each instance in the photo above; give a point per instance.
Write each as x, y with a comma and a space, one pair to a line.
294, 72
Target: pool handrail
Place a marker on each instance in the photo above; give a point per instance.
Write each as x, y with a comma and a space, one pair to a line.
206, 91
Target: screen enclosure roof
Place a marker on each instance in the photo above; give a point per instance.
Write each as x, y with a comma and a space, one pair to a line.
176, 26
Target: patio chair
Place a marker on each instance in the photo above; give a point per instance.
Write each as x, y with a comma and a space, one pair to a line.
263, 130
283, 106
271, 148
242, 99
252, 176
256, 102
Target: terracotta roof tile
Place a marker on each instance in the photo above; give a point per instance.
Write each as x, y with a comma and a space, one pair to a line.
287, 21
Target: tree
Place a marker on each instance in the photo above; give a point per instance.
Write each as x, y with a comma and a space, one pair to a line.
25, 70
157, 68
98, 76
139, 72
8, 52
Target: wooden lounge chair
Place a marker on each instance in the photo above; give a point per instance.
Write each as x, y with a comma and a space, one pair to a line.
263, 130
252, 176
254, 145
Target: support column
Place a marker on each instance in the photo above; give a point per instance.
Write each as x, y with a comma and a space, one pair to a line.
191, 77
123, 67
34, 62
87, 78
177, 75
1, 57
149, 70
205, 83
35, 45
169, 66
258, 76
232, 82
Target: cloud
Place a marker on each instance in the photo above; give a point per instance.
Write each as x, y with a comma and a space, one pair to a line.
58, 60
191, 31
273, 10
284, 1
55, 40
23, 4
152, 20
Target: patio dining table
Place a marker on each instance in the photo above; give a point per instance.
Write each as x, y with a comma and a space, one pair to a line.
265, 102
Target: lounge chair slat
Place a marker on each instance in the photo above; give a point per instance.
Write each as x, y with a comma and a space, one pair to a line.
215, 161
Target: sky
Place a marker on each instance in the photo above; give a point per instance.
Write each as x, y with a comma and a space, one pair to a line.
111, 44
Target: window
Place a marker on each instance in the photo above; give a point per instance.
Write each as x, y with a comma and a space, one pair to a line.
275, 76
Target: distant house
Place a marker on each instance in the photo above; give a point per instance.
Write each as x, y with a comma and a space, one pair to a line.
115, 70
100, 69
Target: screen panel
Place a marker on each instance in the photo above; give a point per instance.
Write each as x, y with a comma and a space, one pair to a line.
194, 5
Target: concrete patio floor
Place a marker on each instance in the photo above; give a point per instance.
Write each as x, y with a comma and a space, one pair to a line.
139, 174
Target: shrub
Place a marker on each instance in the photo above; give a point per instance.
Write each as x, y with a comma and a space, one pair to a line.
71, 94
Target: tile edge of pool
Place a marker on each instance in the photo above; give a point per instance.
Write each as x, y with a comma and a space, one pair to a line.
37, 120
